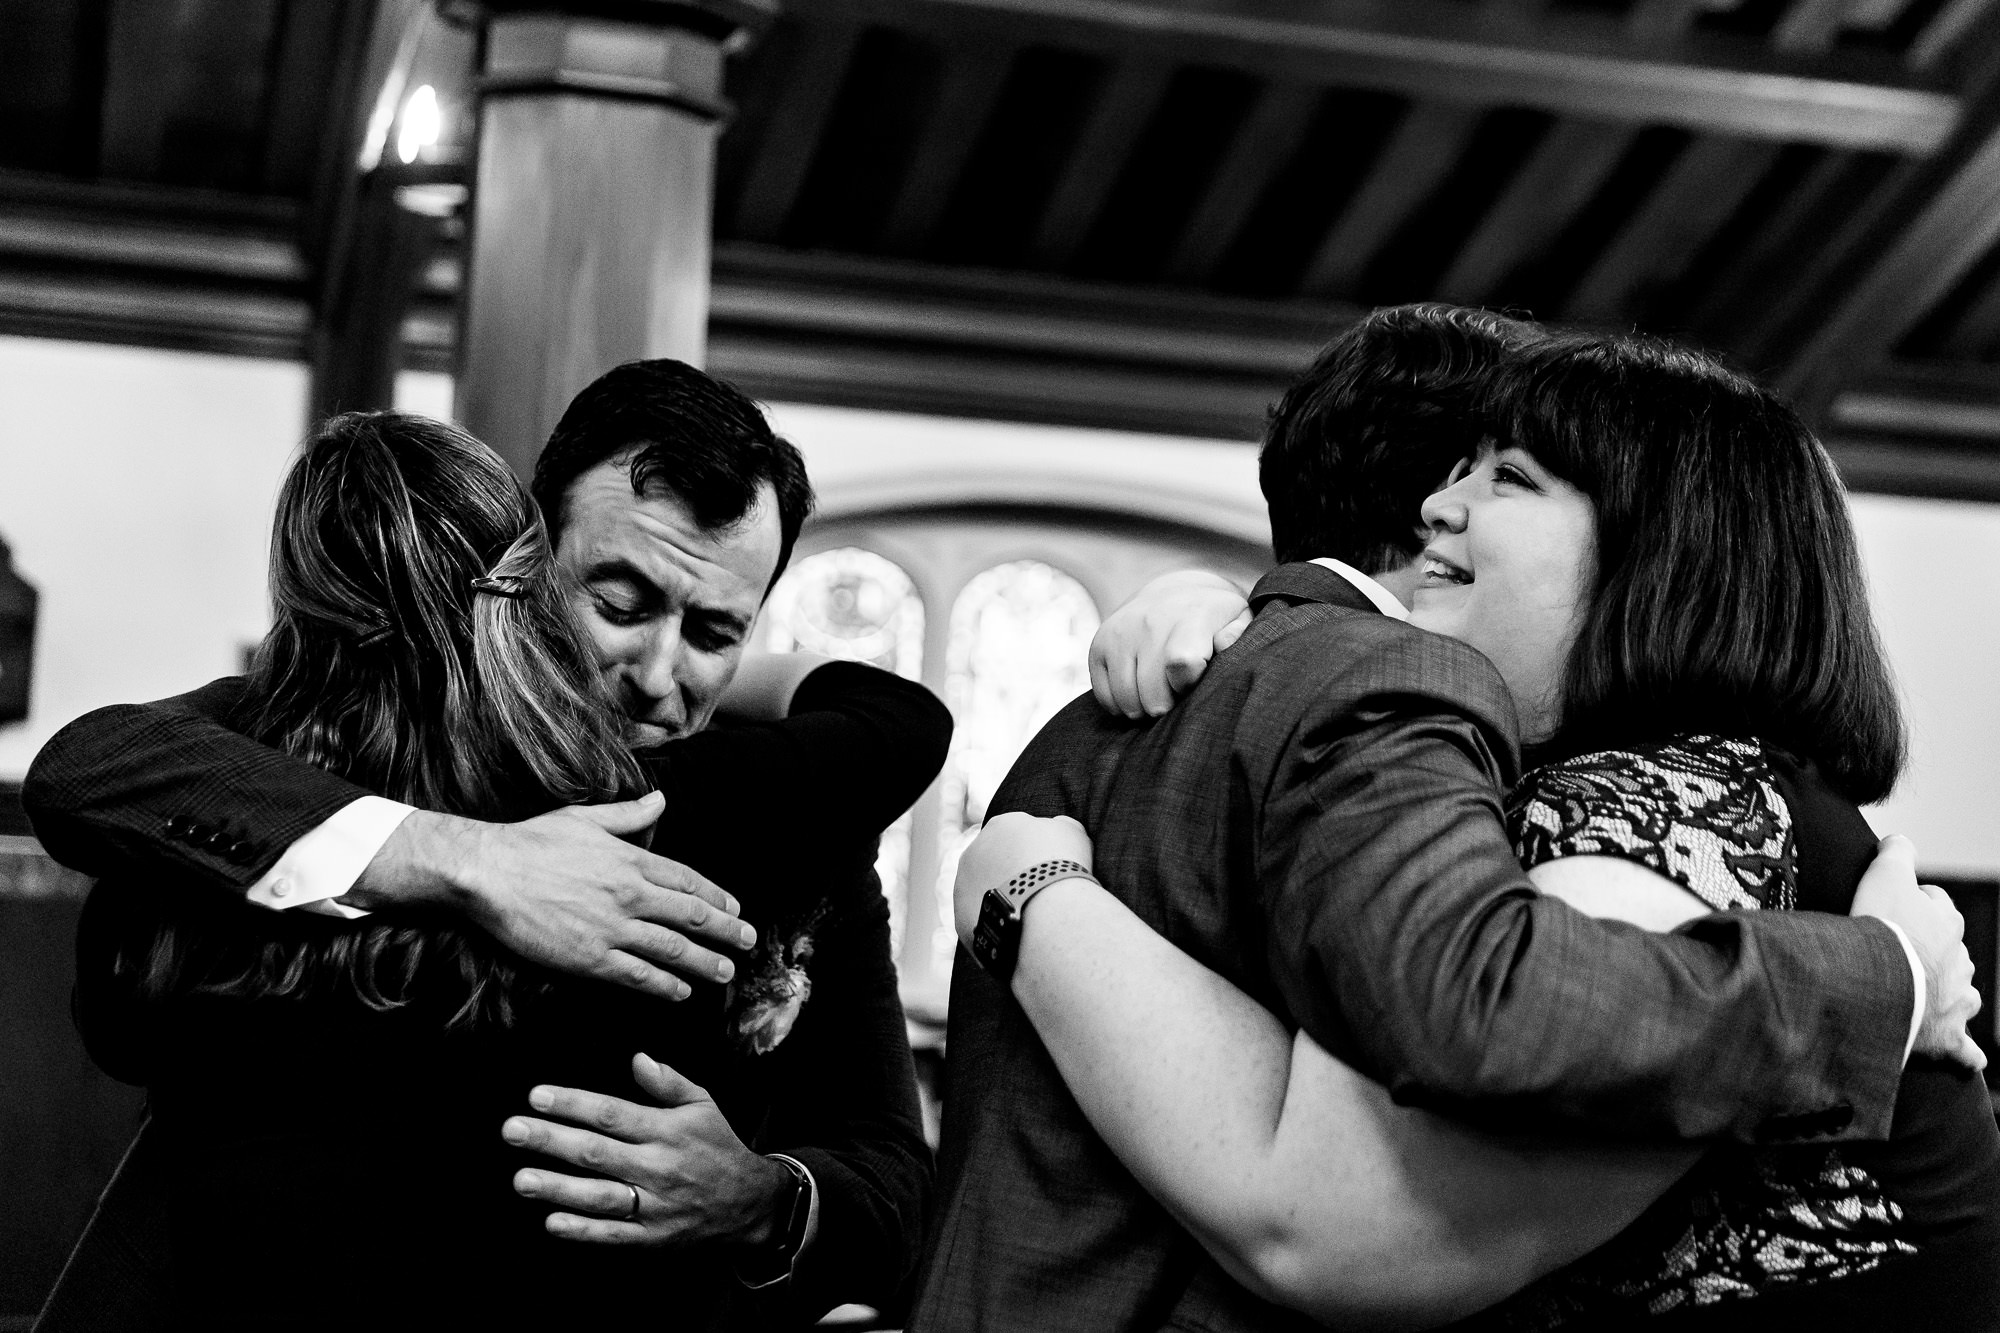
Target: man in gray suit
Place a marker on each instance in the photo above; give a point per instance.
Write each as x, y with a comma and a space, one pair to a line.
1321, 825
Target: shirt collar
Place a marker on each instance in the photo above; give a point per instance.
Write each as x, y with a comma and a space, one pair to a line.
1384, 600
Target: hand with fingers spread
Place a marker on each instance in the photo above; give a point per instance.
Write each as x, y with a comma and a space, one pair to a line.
670, 1174
1157, 645
1889, 890
566, 890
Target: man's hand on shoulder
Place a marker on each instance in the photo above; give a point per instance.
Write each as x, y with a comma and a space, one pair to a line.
566, 891
1933, 926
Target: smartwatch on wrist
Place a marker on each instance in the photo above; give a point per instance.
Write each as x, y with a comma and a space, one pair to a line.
996, 938
773, 1261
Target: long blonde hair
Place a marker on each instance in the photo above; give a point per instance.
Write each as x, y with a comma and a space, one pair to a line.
420, 647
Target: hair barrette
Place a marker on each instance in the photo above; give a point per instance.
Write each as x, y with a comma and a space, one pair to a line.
375, 636
500, 585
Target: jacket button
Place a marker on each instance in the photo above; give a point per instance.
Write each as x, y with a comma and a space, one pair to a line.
216, 840
177, 826
239, 851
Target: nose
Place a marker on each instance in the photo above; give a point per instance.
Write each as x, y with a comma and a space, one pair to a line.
650, 675
1444, 511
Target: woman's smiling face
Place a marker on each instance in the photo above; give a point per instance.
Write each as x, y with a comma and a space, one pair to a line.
1510, 564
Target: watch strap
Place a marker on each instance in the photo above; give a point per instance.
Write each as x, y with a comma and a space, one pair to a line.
1039, 876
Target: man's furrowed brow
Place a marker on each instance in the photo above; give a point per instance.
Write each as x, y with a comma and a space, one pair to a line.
618, 569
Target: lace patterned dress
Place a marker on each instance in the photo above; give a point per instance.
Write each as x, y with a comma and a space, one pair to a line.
1709, 814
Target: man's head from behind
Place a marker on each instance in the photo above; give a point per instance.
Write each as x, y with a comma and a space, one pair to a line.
1374, 426
673, 508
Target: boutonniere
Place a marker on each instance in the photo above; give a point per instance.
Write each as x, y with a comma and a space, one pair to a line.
765, 999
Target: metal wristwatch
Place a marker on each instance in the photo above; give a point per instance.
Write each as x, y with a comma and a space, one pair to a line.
996, 938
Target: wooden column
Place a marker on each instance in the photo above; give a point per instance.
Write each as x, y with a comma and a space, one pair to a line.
591, 201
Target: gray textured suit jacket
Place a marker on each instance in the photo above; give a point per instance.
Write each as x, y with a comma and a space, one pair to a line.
1320, 822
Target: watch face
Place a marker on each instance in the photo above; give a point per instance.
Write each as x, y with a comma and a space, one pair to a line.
997, 935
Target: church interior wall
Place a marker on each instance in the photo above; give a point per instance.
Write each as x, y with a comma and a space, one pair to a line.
136, 487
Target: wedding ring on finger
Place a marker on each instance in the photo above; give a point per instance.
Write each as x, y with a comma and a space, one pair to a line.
633, 1215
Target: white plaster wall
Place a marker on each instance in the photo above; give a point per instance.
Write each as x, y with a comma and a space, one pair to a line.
136, 490
1931, 574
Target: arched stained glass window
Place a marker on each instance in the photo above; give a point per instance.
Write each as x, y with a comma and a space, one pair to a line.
1016, 653
851, 604
855, 605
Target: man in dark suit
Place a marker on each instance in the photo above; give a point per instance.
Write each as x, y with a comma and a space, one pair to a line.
674, 508
1320, 823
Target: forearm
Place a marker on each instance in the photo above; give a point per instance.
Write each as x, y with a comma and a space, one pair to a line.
1405, 937
1296, 1173
1183, 1076
141, 788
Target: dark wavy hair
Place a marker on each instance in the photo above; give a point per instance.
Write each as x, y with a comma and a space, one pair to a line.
1373, 426
420, 647
1730, 597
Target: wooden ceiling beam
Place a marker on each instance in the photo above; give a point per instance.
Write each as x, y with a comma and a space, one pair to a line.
1691, 202
973, 79
1566, 169
795, 122
1418, 157
1130, 94
1265, 144
1915, 245
1946, 30
1565, 63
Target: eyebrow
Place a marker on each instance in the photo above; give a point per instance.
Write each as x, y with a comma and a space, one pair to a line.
735, 621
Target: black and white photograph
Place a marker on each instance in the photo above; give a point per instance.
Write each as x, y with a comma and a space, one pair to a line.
999, 666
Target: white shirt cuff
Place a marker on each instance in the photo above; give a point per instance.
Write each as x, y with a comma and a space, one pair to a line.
325, 863
1923, 986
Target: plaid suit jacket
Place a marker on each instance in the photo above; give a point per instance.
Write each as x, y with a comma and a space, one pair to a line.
1320, 822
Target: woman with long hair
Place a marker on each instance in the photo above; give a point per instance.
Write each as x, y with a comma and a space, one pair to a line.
328, 1094
1656, 555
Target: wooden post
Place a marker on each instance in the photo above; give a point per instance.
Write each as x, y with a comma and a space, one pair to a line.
591, 201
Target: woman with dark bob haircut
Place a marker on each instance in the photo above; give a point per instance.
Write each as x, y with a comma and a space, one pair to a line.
327, 1094
1655, 555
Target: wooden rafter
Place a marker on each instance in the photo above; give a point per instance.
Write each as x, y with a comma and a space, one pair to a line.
1571, 64
972, 84
1693, 200
795, 122
1423, 149
1130, 95
1265, 143
1913, 249
1559, 178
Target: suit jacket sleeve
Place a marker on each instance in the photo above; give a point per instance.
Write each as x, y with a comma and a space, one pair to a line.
169, 785
1405, 936
852, 1117
814, 793
859, 746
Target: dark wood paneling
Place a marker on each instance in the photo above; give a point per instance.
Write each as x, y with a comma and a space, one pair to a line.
812, 81
1567, 169
1265, 143
1419, 156
64, 1124
973, 80
184, 88
1915, 248
1689, 205
1563, 62
1125, 104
